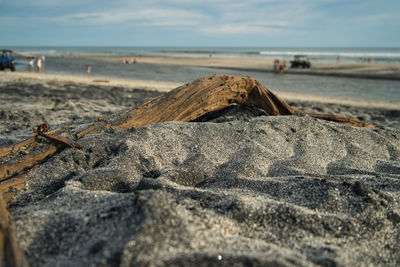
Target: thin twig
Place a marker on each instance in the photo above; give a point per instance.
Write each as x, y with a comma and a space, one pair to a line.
43, 128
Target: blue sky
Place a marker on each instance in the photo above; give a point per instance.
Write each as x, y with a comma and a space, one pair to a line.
200, 23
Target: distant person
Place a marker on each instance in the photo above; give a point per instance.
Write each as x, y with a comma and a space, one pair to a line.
282, 67
277, 66
88, 69
39, 64
43, 60
287, 66
30, 64
338, 60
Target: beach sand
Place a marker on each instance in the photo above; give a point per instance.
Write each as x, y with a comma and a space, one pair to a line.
243, 189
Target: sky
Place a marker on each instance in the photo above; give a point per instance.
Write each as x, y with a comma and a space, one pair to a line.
226, 23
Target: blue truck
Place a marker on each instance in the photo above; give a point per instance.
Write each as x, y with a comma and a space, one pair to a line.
7, 60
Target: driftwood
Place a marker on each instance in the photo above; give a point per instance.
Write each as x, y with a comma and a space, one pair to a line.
185, 103
10, 253
42, 129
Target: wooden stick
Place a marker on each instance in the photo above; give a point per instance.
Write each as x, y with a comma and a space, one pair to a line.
10, 187
8, 150
42, 129
10, 253
9, 170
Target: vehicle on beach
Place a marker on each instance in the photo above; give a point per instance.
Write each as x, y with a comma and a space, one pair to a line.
7, 60
300, 61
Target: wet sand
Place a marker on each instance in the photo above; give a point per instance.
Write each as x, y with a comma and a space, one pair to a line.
241, 189
357, 70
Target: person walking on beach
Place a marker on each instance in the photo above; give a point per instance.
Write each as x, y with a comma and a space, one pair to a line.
88, 69
276, 66
30, 65
43, 61
39, 64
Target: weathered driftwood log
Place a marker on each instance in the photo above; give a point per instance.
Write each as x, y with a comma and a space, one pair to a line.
193, 100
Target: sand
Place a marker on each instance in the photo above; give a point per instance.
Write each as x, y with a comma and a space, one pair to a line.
358, 70
240, 190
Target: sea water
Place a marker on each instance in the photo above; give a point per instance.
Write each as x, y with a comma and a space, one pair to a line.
380, 55
320, 85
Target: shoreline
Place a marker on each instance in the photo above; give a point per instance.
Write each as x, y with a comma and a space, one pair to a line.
167, 86
351, 70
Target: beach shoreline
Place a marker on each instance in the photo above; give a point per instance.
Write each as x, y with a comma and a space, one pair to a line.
258, 64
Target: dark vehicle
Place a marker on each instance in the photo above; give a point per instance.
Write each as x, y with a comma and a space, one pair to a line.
300, 61
7, 60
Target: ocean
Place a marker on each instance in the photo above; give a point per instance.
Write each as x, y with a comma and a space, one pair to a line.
320, 85
319, 54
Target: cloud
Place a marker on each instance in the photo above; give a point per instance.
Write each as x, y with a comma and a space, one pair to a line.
206, 17
376, 19
44, 3
143, 17
92, 18
171, 17
259, 18
231, 29
168, 20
